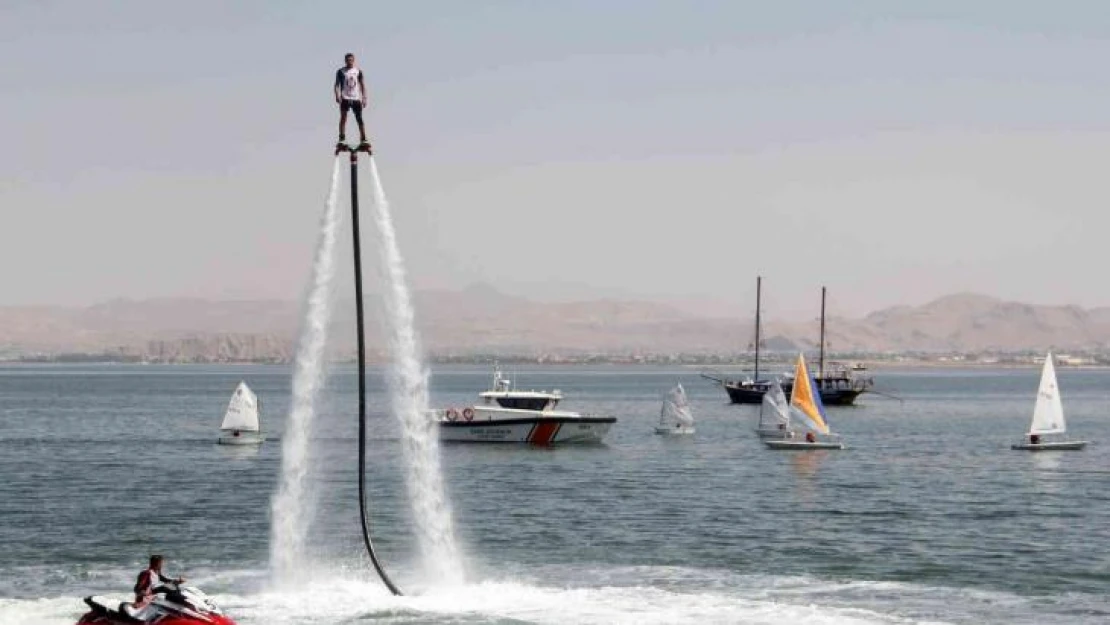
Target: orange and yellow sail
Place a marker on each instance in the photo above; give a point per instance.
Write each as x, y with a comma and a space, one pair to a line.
806, 400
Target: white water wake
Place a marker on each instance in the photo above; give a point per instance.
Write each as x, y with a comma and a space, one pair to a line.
595, 596
408, 383
291, 505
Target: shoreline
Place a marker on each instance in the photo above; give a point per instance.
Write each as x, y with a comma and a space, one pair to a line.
708, 368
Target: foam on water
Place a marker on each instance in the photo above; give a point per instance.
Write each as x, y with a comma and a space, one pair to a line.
292, 504
347, 601
408, 383
642, 595
508, 601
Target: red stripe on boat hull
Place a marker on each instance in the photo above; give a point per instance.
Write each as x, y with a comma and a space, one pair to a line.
544, 433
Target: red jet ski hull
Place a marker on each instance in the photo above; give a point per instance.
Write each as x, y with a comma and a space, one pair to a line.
93, 618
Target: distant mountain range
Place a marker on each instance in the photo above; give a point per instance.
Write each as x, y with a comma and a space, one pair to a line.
965, 322
481, 319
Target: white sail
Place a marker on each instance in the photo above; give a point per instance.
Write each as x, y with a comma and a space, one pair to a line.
242, 410
1048, 415
775, 410
676, 408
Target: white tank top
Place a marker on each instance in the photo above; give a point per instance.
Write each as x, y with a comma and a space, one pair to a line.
154, 579
349, 84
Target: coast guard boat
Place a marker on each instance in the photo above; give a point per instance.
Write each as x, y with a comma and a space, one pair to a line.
505, 415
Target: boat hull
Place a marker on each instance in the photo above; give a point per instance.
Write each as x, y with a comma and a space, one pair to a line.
530, 430
101, 614
93, 618
1053, 446
773, 433
753, 394
840, 396
244, 438
680, 431
800, 445
747, 394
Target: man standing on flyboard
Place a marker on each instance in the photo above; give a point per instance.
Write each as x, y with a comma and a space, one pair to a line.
350, 95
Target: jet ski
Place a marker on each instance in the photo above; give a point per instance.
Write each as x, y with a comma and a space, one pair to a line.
173, 604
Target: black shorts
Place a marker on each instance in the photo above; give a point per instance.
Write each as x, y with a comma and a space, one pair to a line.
351, 105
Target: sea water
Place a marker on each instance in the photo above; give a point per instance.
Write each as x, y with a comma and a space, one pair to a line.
927, 517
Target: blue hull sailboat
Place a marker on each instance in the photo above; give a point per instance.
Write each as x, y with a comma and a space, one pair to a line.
808, 412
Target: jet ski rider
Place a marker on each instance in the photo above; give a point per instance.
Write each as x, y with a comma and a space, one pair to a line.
148, 582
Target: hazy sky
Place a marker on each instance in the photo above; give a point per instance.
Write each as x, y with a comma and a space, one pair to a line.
894, 151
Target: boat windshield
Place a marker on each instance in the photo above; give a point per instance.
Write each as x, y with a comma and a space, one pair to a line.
526, 403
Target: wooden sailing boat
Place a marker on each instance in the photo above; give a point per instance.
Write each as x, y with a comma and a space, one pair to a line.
807, 411
1048, 417
837, 383
750, 390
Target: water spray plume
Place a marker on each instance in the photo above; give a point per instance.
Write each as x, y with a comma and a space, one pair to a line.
408, 384
291, 507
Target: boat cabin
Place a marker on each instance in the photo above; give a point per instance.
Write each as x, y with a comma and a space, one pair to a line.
501, 394
836, 376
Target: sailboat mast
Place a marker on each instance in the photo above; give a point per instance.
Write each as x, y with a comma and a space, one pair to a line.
758, 294
821, 361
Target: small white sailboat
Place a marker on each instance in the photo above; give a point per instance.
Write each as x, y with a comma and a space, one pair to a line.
675, 416
1048, 417
774, 414
240, 425
806, 410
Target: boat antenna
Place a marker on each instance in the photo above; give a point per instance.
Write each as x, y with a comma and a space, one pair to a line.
758, 295
821, 361
362, 367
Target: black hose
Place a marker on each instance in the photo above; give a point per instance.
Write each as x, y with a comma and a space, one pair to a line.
362, 382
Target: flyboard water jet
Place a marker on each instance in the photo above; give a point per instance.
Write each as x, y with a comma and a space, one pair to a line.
357, 244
